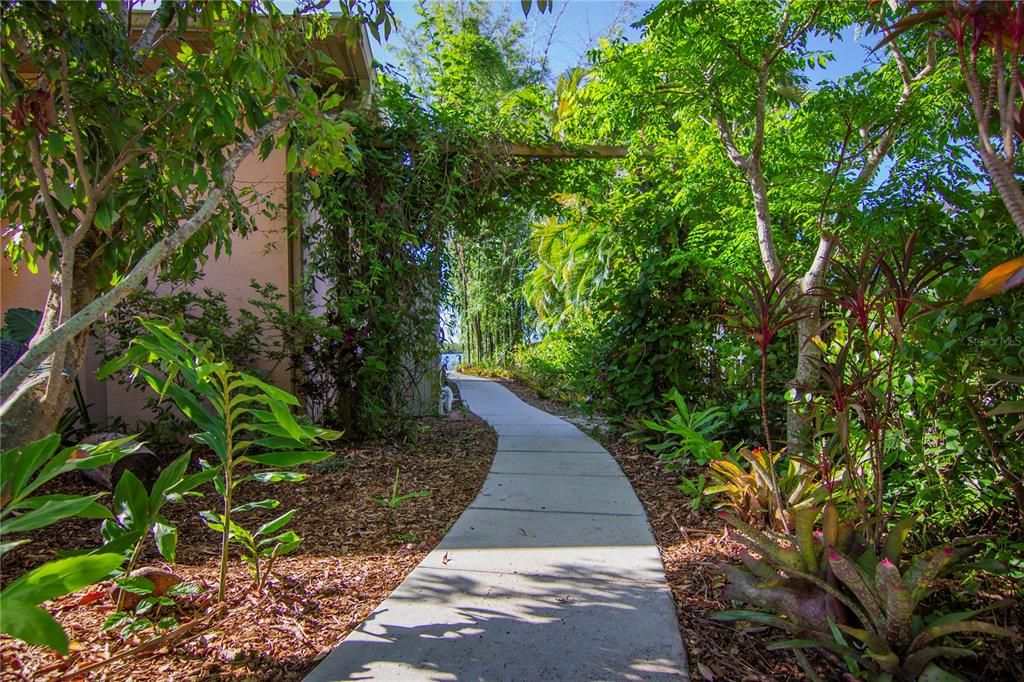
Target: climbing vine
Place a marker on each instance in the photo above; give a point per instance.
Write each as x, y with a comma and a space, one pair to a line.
381, 259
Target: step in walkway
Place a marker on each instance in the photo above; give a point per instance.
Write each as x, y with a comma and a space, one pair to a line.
551, 573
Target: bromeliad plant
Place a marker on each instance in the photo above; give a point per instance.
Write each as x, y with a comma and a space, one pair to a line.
246, 422
828, 588
744, 480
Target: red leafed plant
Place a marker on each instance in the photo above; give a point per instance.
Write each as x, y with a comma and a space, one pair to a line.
989, 40
766, 306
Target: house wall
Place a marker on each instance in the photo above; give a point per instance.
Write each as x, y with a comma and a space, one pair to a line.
262, 255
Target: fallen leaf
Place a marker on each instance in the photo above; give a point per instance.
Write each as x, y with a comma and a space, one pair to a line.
91, 597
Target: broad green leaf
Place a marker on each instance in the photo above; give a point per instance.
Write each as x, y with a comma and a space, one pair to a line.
276, 477
21, 463
168, 478
271, 390
95, 511
57, 578
275, 525
259, 504
135, 584
32, 624
48, 513
193, 481
123, 541
131, 502
166, 536
284, 417
184, 589
115, 619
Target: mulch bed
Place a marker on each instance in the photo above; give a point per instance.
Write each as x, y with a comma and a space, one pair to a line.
694, 542
354, 554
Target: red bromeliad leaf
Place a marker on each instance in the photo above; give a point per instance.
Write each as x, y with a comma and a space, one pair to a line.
999, 279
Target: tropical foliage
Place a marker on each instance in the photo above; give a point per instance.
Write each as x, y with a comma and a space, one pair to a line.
245, 422
774, 288
794, 280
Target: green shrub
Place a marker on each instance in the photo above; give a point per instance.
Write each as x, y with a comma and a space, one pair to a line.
686, 434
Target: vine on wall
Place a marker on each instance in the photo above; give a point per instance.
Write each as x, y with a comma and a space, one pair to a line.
379, 263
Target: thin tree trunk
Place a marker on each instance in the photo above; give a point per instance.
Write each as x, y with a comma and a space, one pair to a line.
478, 351
22, 412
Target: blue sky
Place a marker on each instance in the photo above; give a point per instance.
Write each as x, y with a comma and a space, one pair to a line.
566, 32
573, 27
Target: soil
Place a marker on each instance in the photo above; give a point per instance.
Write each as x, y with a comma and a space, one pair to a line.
693, 542
355, 552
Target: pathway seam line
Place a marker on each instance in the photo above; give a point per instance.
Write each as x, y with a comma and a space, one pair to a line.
574, 596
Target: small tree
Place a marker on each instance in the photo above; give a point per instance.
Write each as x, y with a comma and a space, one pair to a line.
740, 73
122, 137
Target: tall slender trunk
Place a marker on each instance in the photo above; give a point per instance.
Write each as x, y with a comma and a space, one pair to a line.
478, 340
807, 358
464, 286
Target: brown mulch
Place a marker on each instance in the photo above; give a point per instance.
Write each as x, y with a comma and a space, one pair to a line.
354, 554
694, 542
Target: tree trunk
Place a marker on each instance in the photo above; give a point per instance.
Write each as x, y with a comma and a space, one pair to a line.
36, 411
807, 358
1000, 171
90, 308
41, 403
478, 345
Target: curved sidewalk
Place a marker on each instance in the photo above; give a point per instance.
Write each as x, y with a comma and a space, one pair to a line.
551, 573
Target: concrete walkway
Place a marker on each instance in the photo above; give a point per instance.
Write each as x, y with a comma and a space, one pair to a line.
551, 573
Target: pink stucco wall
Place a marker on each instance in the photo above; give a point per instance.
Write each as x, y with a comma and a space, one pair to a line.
263, 256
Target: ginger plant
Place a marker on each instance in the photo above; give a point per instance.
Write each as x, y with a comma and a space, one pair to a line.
246, 422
